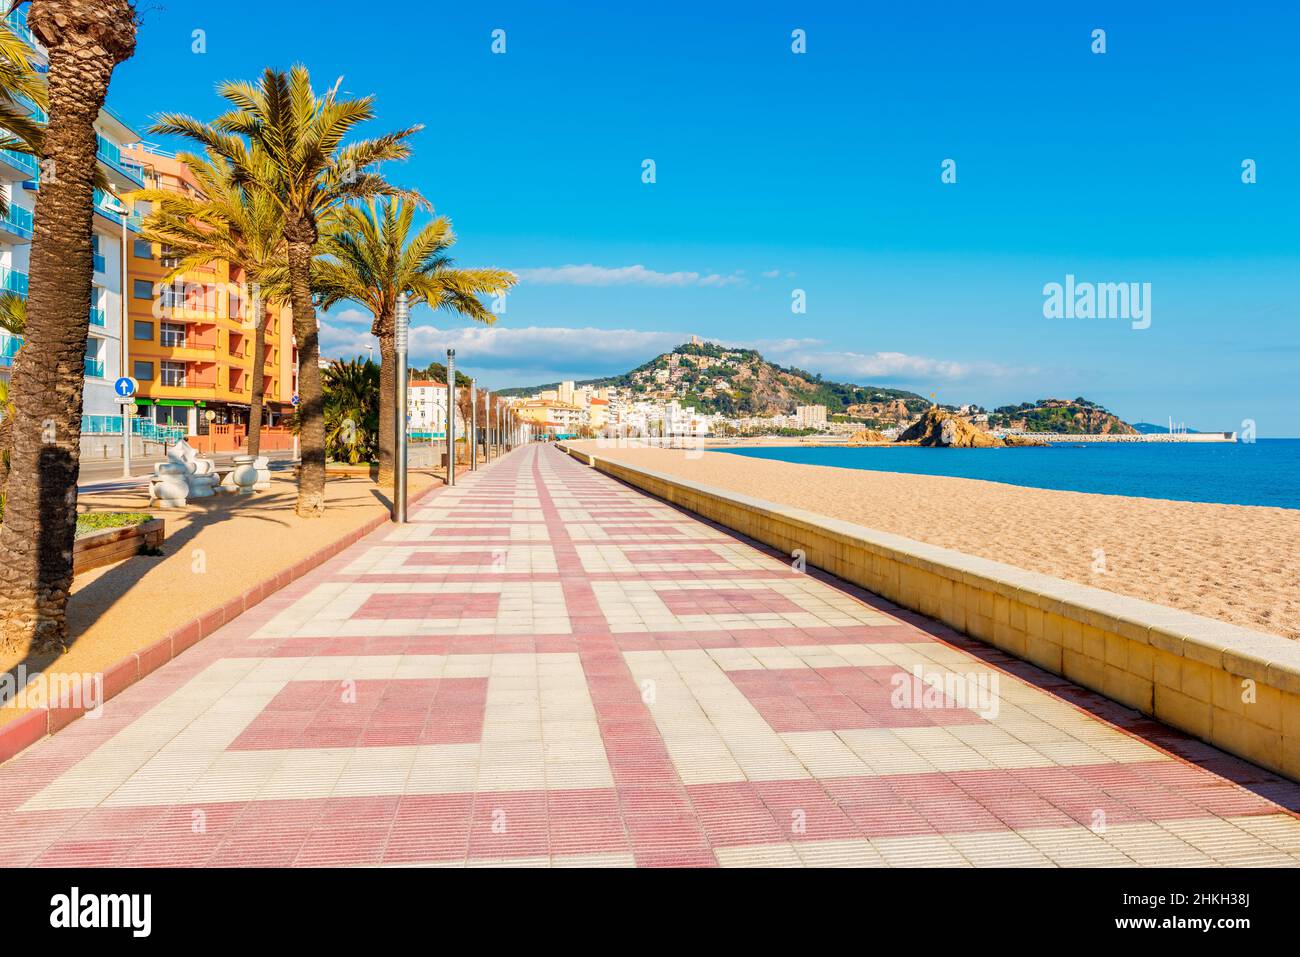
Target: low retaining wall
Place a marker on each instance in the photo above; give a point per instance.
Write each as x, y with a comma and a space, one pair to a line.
114, 545
1232, 687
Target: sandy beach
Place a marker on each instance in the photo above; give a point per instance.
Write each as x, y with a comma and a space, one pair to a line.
1231, 562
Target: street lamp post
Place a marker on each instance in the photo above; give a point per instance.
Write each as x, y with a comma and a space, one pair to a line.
451, 416
401, 327
473, 425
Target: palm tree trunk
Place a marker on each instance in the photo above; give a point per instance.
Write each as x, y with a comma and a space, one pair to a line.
311, 403
259, 381
6, 440
86, 40
387, 408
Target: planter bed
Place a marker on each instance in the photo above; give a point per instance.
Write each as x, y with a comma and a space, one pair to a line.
97, 547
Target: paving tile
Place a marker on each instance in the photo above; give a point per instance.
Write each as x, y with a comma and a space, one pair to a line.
547, 668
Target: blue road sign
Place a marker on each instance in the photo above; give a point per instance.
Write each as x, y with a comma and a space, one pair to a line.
124, 387
294, 400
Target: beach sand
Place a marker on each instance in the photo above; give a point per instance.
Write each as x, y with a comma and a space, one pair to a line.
1235, 563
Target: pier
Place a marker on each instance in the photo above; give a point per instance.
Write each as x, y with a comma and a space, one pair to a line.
1112, 437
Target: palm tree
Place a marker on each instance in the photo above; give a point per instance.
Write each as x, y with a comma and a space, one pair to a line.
21, 88
284, 138
13, 320
351, 410
372, 260
239, 225
85, 40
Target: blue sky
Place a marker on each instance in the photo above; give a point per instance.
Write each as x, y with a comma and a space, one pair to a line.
821, 172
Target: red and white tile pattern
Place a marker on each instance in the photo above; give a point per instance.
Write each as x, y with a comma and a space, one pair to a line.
548, 668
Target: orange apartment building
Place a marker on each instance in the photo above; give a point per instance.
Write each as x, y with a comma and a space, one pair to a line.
189, 344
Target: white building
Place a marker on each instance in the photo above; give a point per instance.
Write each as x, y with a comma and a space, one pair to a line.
811, 416
426, 406
20, 180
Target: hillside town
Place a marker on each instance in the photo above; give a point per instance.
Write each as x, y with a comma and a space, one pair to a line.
610, 412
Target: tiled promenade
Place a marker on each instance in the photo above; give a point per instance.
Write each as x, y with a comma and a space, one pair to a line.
546, 667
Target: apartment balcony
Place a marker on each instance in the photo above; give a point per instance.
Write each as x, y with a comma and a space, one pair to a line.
196, 377
38, 114
108, 207
17, 224
13, 281
94, 368
18, 166
17, 22
189, 305
98, 318
187, 350
9, 346
122, 173
101, 264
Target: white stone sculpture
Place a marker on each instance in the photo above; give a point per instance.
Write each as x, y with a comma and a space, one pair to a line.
183, 466
243, 476
168, 486
263, 466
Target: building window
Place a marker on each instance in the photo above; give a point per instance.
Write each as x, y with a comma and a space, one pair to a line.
172, 334
143, 249
142, 371
173, 296
172, 415
173, 374
142, 289
142, 331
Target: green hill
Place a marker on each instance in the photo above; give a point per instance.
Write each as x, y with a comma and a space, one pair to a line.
716, 378
1067, 416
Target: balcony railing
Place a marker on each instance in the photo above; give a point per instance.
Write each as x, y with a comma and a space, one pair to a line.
107, 205
109, 152
23, 162
94, 368
38, 114
13, 281
145, 428
18, 221
98, 318
101, 264
9, 346
110, 207
17, 22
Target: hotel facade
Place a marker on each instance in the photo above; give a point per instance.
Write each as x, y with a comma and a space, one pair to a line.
190, 341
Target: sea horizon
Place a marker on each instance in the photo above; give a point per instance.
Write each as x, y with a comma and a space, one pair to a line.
1264, 473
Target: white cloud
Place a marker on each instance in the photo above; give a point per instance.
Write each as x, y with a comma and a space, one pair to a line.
352, 317
771, 273
536, 354
584, 353
812, 355
590, 275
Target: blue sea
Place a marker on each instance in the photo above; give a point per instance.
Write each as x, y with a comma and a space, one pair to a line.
1266, 472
